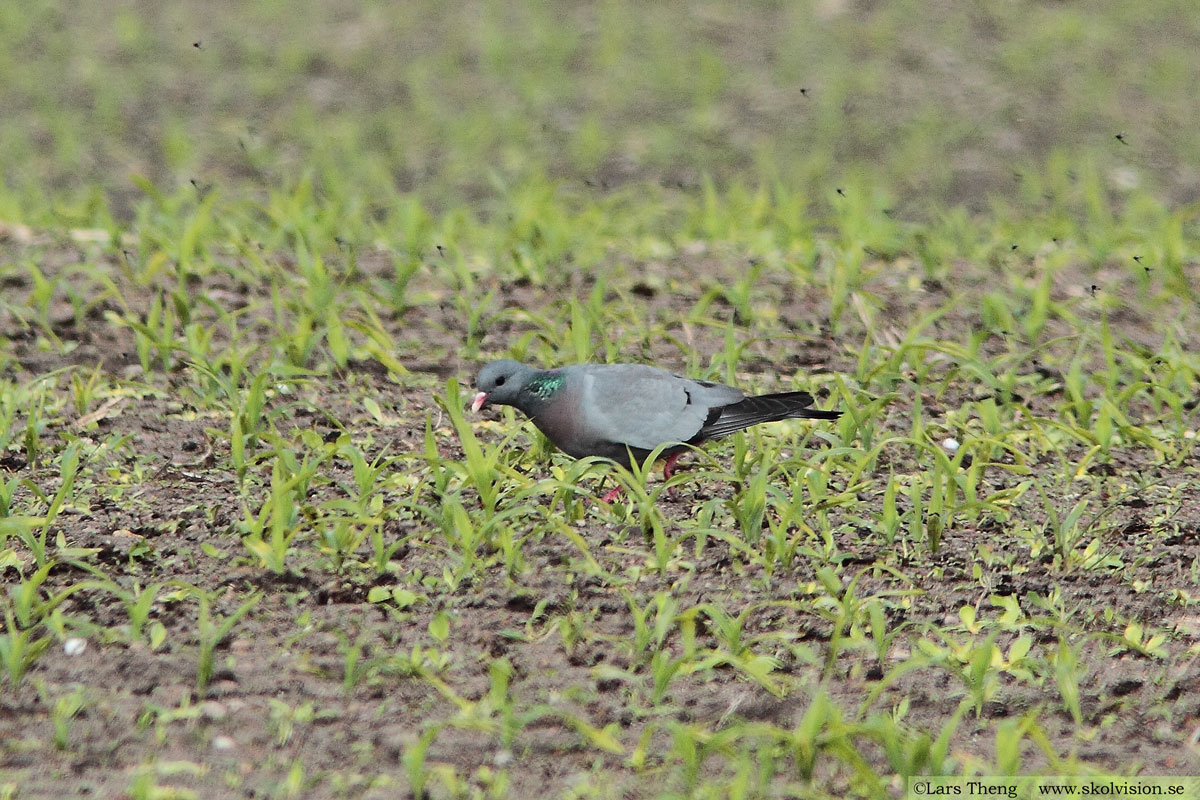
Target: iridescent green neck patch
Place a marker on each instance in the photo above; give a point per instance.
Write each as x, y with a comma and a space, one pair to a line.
545, 385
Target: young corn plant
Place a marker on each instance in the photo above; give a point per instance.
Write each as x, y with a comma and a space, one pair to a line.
283, 718
13, 398
33, 605
413, 760
786, 531
41, 295
663, 669
973, 663
819, 730
736, 295
882, 637
20, 648
249, 421
651, 623
354, 671
749, 504
1133, 639
83, 391
139, 605
642, 504
1066, 532
567, 499
351, 520
475, 310
211, 630
68, 471
63, 711
155, 337
269, 534
37, 422
383, 551
1066, 675
305, 309
735, 651
377, 342
481, 464
841, 606
441, 473
464, 538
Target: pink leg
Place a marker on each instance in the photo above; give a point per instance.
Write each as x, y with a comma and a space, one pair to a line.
612, 495
668, 471
669, 466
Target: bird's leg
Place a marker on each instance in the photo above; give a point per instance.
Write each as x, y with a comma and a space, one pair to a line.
612, 494
669, 470
669, 466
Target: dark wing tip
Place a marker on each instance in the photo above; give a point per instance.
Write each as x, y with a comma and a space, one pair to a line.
763, 408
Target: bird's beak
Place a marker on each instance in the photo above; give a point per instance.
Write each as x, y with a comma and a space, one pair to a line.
479, 402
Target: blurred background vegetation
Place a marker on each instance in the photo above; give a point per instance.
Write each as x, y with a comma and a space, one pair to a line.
932, 104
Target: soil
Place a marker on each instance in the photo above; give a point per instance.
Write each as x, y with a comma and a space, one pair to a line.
175, 519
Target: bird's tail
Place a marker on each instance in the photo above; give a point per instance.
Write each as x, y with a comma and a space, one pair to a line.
764, 408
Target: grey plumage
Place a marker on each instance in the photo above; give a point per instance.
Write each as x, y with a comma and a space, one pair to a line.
611, 410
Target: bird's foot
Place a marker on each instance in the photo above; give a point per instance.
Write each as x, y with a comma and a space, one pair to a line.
612, 495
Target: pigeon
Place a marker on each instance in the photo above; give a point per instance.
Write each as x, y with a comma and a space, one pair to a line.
625, 411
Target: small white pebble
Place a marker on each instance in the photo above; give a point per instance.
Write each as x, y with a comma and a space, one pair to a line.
74, 646
223, 743
502, 758
950, 444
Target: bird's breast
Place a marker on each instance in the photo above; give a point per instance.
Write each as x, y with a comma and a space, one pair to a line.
561, 420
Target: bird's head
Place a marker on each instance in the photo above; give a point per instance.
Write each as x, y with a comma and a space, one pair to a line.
500, 382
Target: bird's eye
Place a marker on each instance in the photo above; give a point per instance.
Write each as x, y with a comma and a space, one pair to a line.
500, 381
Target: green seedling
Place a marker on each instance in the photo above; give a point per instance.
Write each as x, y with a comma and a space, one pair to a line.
413, 759
20, 648
284, 719
481, 464
269, 534
31, 604
138, 603
663, 669
475, 311
976, 664
9, 523
64, 710
211, 630
734, 651
353, 671
749, 505
36, 541
1066, 676
40, 296
651, 623
1134, 640
377, 341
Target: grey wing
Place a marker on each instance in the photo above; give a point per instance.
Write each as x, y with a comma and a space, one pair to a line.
643, 407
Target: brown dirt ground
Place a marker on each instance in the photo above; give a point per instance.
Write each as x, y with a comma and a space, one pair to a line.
1138, 711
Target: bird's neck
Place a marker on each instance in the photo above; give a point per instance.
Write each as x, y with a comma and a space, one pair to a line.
545, 385
539, 391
